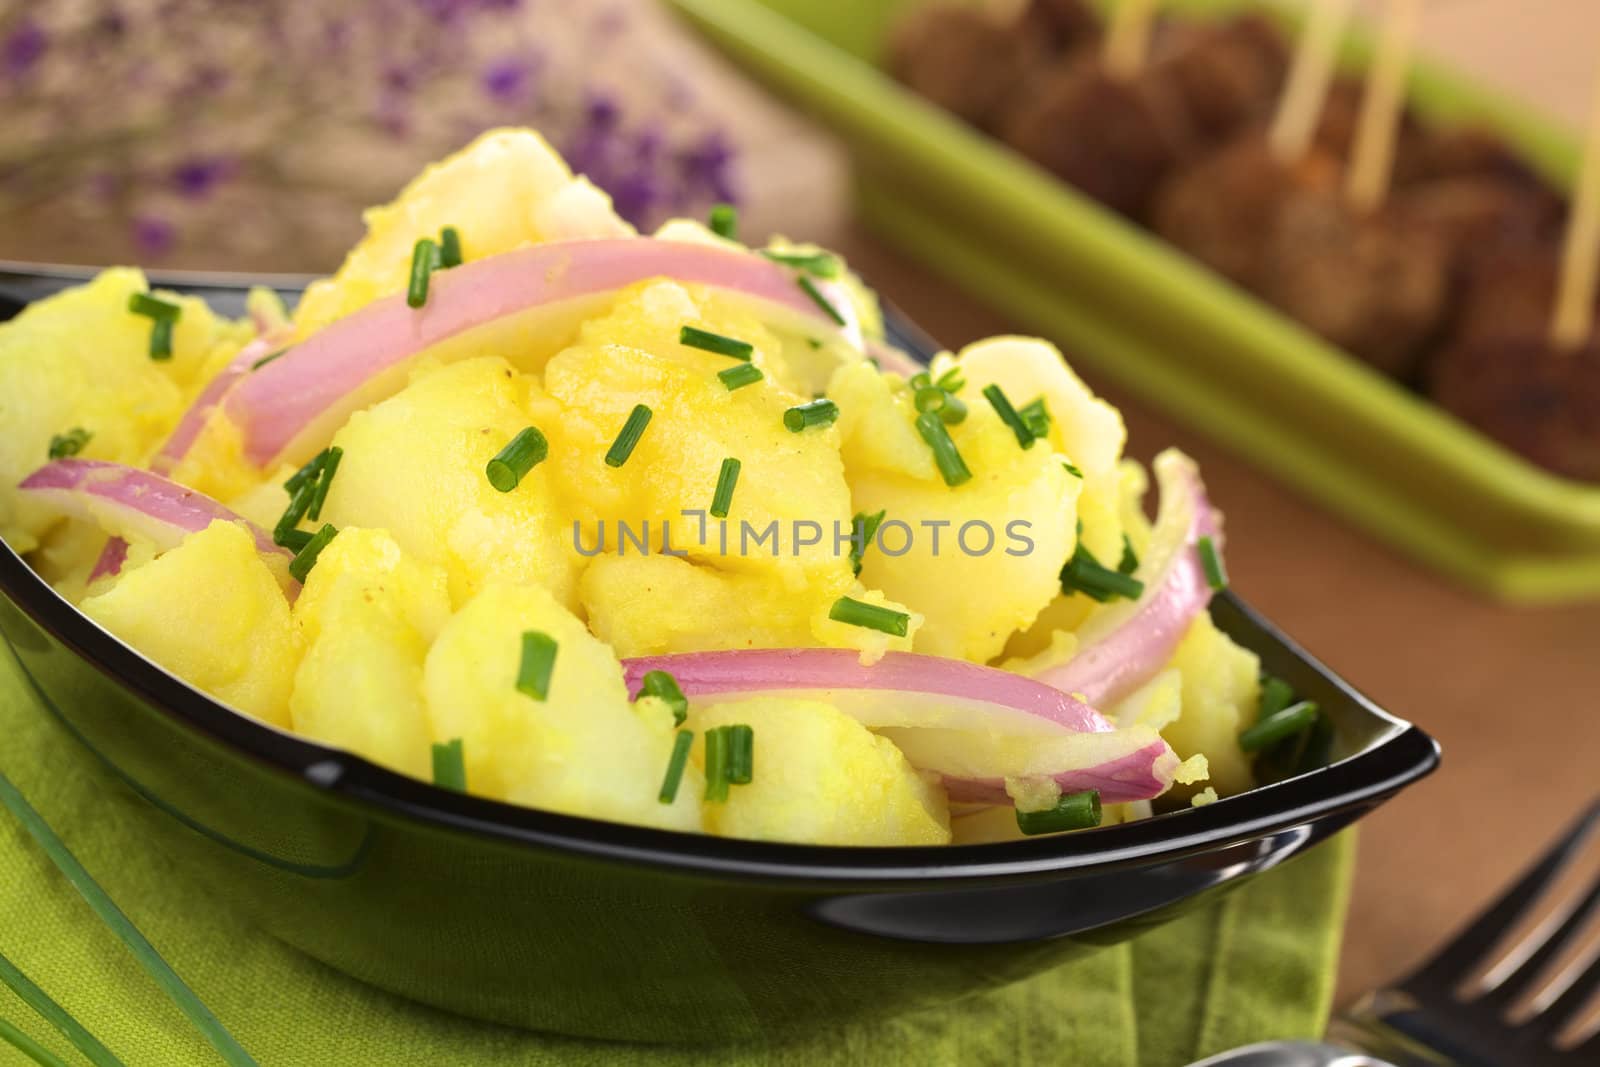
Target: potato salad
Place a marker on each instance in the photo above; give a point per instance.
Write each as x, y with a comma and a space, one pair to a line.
655, 529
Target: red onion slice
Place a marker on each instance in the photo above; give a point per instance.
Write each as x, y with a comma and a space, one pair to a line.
141, 504
187, 431
286, 410
1123, 645
1129, 764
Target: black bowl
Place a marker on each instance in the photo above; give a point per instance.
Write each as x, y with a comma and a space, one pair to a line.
592, 928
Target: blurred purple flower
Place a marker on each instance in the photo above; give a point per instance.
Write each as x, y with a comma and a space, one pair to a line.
153, 236
508, 80
22, 48
196, 177
709, 164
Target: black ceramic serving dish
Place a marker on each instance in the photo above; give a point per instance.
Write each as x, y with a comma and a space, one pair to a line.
592, 928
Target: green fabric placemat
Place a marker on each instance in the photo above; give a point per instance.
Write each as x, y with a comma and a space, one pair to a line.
1257, 964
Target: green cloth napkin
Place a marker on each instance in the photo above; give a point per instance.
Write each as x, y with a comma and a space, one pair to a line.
1257, 964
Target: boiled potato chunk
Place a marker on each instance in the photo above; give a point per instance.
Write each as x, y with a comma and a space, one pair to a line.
210, 612
820, 778
367, 616
414, 465
584, 750
505, 190
1221, 690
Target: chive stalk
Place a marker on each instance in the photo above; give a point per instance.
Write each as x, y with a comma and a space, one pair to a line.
818, 412
1276, 694
945, 454
628, 439
1286, 723
70, 443
675, 766
854, 612
727, 478
1130, 559
716, 752
724, 221
30, 1048
663, 686
1072, 811
513, 462
424, 257
821, 301
449, 248
161, 339
153, 307
741, 753
538, 663
57, 1016
306, 557
1211, 563
820, 264
865, 528
716, 343
1008, 414
740, 375
319, 495
1087, 575
450, 765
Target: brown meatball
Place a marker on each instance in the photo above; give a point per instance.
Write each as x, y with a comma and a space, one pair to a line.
962, 58
1228, 74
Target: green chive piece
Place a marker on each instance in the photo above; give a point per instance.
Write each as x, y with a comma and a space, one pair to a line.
1085, 574
1319, 746
1008, 414
821, 301
930, 398
869, 616
161, 339
954, 411
264, 360
70, 443
450, 765
213, 1031
319, 495
306, 558
628, 439
725, 221
29, 1047
1073, 811
1211, 562
1286, 723
423, 256
153, 307
299, 504
1037, 416
307, 473
741, 753
293, 540
821, 264
675, 766
727, 478
55, 1015
1130, 559
919, 380
951, 381
663, 686
951, 466
538, 663
449, 248
819, 412
707, 341
512, 463
717, 764
1276, 694
865, 528
1072, 469
737, 377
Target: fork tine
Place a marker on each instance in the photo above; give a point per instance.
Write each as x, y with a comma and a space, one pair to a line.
1530, 967
1572, 1001
1474, 942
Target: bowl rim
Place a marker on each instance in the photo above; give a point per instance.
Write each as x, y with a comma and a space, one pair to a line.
1359, 781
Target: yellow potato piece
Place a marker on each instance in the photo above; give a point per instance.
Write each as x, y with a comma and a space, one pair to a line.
1221, 689
820, 778
584, 749
210, 612
414, 466
367, 617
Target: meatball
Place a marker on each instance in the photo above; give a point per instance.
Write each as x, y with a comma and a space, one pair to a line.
964, 59
1228, 74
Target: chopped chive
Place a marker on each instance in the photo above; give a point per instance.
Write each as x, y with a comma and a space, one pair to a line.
1085, 574
70, 443
299, 504
293, 540
161, 339
725, 221
319, 494
1319, 745
741, 753
1037, 416
307, 473
153, 307
1286, 723
264, 360
816, 344
818, 412
664, 686
450, 765
727, 478
628, 439
865, 527
1276, 694
1211, 562
675, 766
512, 463
30, 1048
1008, 414
954, 411
707, 341
538, 663
869, 616
306, 557
57, 1016
740, 375
1073, 811
103, 906
930, 398
1130, 559
919, 380
424, 254
821, 301
951, 381
822, 264
717, 764
951, 466
1072, 469
449, 248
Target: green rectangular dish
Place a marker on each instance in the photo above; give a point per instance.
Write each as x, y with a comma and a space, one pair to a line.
1147, 317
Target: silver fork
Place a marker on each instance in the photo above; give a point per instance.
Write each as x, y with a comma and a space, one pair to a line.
1426, 1018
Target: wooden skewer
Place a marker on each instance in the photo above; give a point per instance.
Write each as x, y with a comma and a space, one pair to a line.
1372, 161
1573, 321
1128, 39
1310, 76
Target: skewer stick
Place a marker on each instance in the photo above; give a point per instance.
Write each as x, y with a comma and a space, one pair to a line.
1573, 321
1128, 39
1372, 162
1310, 76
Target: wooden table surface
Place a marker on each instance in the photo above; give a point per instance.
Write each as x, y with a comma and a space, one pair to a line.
1513, 695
